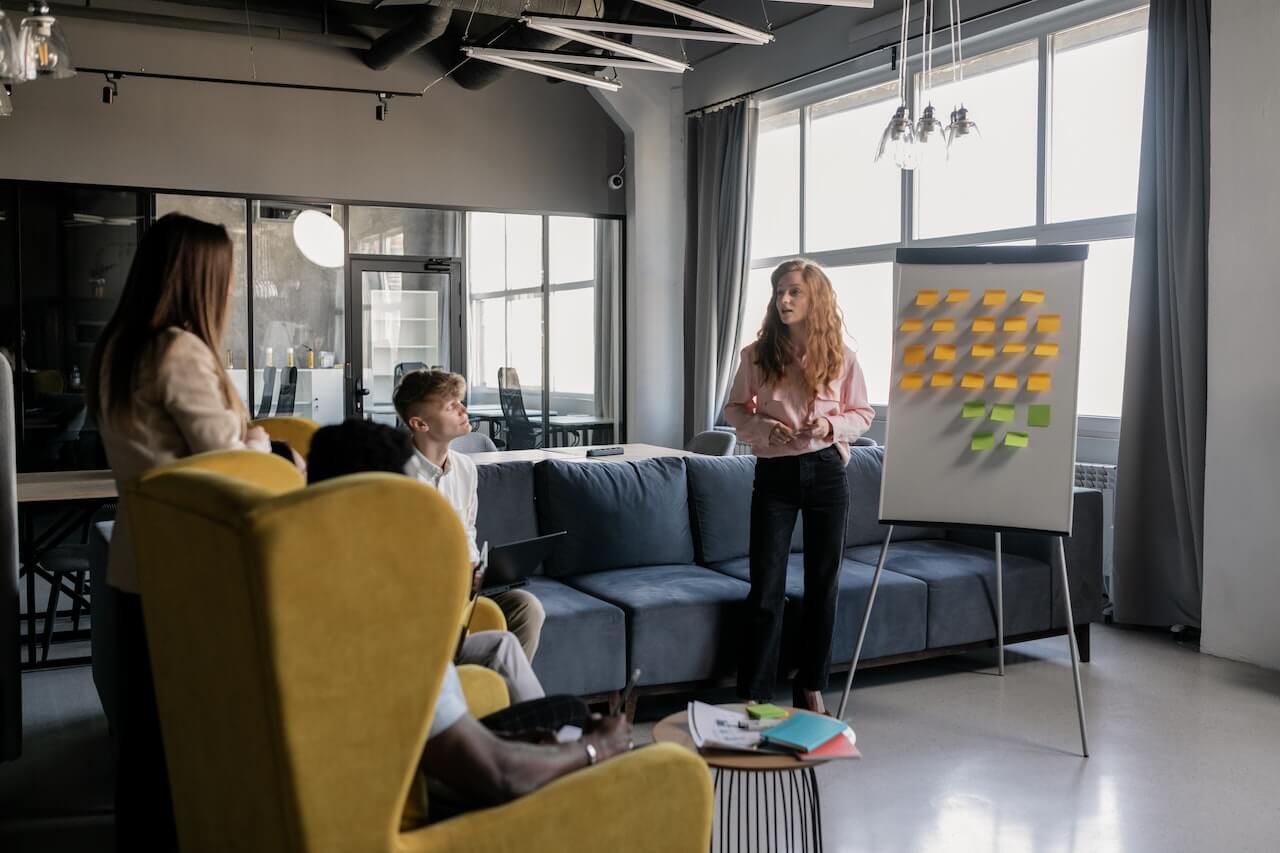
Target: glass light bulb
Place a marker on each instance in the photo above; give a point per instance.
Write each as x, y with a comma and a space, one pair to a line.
931, 139
42, 47
898, 140
963, 135
319, 238
10, 62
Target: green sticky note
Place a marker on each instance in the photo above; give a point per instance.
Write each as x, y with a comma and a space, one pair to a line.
1038, 416
1016, 439
1002, 412
767, 712
975, 409
982, 441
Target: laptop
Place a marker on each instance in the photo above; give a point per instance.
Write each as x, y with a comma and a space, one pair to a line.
511, 565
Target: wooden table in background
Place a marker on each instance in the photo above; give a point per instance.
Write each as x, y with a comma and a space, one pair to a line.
72, 497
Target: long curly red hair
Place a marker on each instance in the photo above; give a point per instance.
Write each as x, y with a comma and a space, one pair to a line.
824, 351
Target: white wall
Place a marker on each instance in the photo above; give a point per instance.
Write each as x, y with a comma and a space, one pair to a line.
520, 144
1242, 465
649, 109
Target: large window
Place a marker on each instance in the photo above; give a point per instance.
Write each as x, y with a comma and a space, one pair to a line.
1058, 101
543, 297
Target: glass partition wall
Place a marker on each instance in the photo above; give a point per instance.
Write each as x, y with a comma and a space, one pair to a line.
330, 304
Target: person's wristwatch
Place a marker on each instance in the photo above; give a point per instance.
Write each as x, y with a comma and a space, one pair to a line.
593, 757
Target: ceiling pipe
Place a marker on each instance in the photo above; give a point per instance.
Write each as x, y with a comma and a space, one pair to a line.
426, 25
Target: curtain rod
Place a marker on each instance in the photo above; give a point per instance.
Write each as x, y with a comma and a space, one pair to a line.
886, 46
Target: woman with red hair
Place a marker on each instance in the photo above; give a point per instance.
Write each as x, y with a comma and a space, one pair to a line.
799, 398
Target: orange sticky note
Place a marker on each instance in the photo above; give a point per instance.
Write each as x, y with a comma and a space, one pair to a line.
957, 294
1049, 323
941, 380
913, 355
1015, 346
944, 325
912, 381
911, 325
944, 352
1046, 350
1007, 381
983, 350
984, 324
1033, 296
993, 297
925, 298
973, 380
1015, 324
1039, 382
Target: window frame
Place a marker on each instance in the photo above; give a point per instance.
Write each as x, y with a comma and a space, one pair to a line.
1037, 23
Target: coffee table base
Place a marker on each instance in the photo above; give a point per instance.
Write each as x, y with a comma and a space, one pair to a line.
767, 810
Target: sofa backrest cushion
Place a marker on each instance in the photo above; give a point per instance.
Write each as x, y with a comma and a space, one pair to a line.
720, 507
866, 465
616, 514
506, 512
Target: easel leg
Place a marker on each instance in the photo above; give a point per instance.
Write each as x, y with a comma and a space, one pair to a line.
866, 617
1075, 652
999, 605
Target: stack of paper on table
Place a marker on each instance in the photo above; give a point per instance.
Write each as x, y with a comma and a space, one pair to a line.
806, 736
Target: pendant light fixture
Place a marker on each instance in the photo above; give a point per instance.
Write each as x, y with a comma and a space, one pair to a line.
899, 137
43, 47
6, 105
931, 138
10, 62
962, 134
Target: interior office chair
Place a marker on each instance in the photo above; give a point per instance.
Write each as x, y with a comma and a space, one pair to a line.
713, 442
404, 367
305, 677
296, 431
268, 391
10, 630
288, 392
473, 442
520, 432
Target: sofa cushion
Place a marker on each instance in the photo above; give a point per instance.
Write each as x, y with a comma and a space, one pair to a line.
866, 465
683, 621
616, 514
962, 588
720, 507
505, 495
897, 620
583, 649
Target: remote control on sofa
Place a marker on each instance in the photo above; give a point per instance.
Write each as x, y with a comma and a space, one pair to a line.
604, 451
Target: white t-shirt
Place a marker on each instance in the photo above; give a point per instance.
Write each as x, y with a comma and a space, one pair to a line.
456, 481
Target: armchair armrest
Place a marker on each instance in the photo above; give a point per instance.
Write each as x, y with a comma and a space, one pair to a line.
485, 690
487, 616
653, 800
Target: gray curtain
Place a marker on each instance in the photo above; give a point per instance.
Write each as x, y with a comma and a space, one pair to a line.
1159, 522
720, 149
608, 264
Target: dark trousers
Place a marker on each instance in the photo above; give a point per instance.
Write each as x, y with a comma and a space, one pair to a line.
814, 485
144, 806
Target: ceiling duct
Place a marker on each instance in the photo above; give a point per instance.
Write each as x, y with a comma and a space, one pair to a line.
430, 21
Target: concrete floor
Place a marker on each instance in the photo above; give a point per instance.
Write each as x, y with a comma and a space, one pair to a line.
1185, 756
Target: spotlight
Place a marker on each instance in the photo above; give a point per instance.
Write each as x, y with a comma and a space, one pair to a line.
112, 88
384, 106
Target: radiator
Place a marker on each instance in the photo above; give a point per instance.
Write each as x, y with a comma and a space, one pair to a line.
1102, 477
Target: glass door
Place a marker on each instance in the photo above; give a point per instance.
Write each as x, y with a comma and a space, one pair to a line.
405, 310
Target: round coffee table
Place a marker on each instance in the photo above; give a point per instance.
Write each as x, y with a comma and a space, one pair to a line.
764, 801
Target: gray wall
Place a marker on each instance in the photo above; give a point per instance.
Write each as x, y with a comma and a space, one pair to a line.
1242, 465
521, 144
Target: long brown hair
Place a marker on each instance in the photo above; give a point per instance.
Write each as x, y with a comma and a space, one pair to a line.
181, 276
824, 351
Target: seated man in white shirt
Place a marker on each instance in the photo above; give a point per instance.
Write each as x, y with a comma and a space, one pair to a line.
430, 403
356, 446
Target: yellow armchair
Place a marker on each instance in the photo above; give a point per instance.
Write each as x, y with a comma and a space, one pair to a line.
298, 647
296, 431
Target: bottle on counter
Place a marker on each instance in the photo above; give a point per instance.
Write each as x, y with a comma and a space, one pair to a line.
270, 362
311, 358
288, 357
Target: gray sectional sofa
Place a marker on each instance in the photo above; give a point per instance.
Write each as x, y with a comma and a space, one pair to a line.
654, 570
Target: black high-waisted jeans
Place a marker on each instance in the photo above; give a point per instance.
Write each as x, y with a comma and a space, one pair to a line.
814, 485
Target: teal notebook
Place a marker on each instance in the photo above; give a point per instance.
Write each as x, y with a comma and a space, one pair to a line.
804, 732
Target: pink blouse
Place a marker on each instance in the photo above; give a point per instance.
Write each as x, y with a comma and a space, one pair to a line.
753, 406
